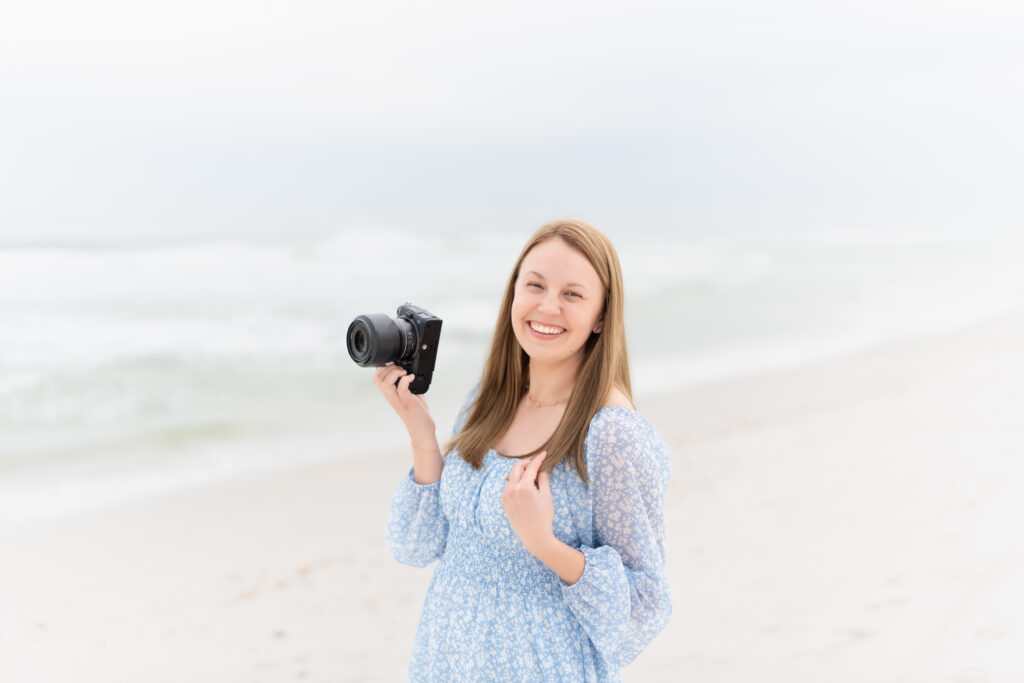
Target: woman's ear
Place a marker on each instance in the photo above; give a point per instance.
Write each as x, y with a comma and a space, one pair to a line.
599, 326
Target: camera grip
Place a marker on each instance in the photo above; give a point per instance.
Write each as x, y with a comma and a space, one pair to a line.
419, 384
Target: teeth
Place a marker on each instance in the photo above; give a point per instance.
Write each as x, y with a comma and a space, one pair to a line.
544, 329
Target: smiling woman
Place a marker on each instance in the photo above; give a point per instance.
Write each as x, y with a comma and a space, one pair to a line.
552, 557
553, 309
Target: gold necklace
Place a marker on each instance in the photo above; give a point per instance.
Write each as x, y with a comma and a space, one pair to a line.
538, 404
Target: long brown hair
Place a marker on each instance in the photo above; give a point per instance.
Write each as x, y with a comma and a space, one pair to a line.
506, 374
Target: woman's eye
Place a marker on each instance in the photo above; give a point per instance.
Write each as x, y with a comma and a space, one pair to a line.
540, 286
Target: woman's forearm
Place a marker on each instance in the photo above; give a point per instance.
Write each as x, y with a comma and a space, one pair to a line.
562, 559
427, 462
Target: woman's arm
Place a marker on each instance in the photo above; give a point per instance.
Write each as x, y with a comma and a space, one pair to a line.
530, 510
393, 381
564, 560
417, 529
622, 598
427, 463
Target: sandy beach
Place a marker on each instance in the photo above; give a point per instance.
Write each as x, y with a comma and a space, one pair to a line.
857, 519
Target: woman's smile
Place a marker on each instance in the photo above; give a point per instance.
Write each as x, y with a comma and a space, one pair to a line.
557, 302
544, 331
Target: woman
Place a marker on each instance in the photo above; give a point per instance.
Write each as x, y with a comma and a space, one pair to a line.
547, 512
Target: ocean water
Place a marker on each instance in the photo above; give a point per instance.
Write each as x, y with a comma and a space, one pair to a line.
132, 372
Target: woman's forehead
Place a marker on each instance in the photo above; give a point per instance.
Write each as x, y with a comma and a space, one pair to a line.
556, 260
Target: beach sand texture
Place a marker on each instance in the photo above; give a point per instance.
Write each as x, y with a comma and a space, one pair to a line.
857, 519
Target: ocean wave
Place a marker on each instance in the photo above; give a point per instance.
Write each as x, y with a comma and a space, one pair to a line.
166, 352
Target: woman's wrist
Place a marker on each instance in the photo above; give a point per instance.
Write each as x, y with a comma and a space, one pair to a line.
427, 462
423, 439
433, 448
564, 560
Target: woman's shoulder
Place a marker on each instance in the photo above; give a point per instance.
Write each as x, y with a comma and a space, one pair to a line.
615, 413
620, 439
617, 397
617, 420
619, 427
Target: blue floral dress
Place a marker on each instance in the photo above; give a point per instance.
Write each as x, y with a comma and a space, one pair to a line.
493, 611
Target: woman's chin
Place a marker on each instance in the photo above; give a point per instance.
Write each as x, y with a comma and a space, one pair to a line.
547, 356
544, 351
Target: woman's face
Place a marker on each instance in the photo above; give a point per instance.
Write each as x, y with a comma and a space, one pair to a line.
557, 304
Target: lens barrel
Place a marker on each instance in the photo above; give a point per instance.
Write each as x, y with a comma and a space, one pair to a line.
377, 339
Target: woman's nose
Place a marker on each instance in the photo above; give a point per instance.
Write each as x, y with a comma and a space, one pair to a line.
549, 304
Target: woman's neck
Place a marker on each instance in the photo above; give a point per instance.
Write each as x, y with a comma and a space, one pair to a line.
552, 383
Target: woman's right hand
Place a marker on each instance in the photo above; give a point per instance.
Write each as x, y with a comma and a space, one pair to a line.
412, 408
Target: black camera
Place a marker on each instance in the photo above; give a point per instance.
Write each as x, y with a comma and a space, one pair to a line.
409, 340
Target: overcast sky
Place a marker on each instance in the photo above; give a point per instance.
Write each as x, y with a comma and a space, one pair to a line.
127, 120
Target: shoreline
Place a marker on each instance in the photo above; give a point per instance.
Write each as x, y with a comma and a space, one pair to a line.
193, 480
849, 517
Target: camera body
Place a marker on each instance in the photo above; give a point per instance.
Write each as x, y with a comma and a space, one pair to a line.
408, 340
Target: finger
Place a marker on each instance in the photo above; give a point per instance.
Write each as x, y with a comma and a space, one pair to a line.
379, 373
534, 466
403, 386
544, 482
516, 473
387, 386
388, 381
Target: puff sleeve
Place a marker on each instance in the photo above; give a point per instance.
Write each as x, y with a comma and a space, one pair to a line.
417, 528
622, 600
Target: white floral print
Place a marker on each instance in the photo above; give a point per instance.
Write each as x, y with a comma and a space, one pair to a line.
493, 611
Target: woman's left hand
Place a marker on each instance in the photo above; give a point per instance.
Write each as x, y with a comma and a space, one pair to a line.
527, 503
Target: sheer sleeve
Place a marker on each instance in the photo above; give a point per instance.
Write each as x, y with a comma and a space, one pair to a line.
622, 600
417, 529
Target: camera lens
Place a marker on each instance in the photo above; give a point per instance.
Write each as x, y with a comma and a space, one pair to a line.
377, 339
359, 342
